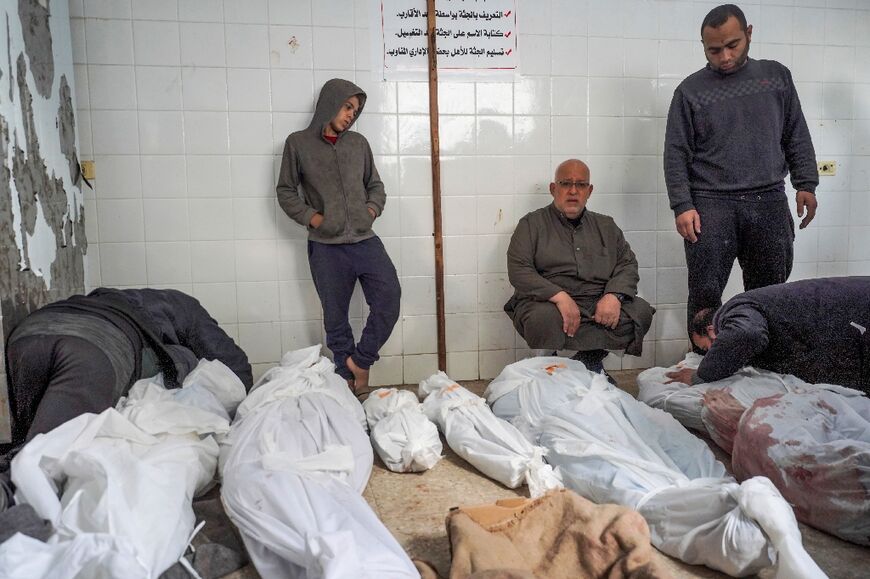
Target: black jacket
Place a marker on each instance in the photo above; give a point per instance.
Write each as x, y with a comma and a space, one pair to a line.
179, 330
811, 329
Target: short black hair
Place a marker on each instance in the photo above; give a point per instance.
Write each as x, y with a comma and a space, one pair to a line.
701, 320
720, 14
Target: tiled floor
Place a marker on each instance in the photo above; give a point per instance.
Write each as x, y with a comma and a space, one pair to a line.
414, 506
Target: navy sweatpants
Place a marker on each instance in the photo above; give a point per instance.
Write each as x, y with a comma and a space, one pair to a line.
336, 269
757, 230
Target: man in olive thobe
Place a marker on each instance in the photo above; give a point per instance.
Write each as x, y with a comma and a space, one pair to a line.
575, 277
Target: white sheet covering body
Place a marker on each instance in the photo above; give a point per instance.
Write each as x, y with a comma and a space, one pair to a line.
815, 446
716, 407
609, 447
493, 446
402, 435
127, 477
294, 466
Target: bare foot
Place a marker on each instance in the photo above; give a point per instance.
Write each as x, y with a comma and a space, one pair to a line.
360, 375
350, 384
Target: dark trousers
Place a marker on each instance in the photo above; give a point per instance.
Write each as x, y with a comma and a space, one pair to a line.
53, 379
756, 230
336, 269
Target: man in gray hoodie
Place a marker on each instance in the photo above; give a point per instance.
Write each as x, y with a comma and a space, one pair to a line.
329, 184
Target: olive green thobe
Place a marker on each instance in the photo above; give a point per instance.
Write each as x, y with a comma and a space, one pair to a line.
547, 254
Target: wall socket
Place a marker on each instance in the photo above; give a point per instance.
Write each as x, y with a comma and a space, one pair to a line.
827, 167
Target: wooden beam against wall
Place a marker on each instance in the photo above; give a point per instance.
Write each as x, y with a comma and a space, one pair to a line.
436, 186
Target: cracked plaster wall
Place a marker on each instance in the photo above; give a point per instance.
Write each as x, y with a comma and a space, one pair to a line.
42, 234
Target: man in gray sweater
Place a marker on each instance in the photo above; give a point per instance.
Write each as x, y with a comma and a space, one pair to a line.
735, 129
329, 184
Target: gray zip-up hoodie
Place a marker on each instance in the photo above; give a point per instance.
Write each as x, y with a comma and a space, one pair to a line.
339, 181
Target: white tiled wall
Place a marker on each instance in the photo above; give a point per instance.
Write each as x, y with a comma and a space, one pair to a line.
184, 105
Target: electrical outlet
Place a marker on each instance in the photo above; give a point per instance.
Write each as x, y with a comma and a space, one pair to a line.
827, 167
88, 169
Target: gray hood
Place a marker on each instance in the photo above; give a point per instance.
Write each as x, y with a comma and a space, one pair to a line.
332, 96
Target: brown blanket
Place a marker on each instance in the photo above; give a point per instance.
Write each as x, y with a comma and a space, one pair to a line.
559, 535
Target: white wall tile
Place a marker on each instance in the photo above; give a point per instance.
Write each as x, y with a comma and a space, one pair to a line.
461, 332
248, 89
254, 218
120, 220
641, 58
165, 219
210, 219
212, 261
569, 56
299, 300
493, 291
208, 176
161, 132
605, 97
107, 9
639, 97
606, 136
205, 89
261, 341
158, 87
532, 96
570, 136
155, 10
251, 134
463, 365
418, 295
418, 368
122, 264
156, 43
206, 133
203, 44
387, 371
496, 331
163, 176
293, 260
290, 11
118, 177
258, 301
111, 87
200, 10
252, 176
290, 47
247, 45
568, 16
249, 12
492, 362
219, 299
168, 263
115, 132
293, 90
606, 56
418, 256
256, 260
807, 25
419, 335
603, 19
109, 41
534, 53
671, 285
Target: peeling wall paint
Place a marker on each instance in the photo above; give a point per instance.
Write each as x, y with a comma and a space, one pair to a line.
42, 239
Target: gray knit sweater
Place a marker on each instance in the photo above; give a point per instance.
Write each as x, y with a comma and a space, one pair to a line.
737, 134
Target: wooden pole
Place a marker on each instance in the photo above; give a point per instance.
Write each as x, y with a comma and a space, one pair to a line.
436, 185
